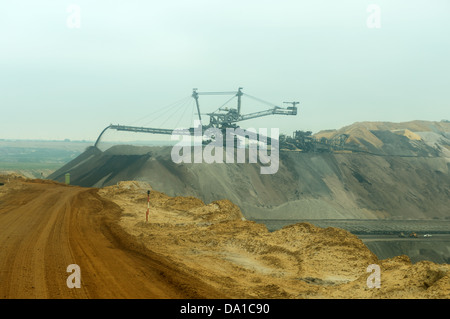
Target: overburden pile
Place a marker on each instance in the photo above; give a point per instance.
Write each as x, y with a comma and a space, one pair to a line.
401, 171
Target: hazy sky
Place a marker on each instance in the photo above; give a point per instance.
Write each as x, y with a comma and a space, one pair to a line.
131, 58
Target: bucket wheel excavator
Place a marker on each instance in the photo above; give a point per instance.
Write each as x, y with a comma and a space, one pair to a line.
222, 118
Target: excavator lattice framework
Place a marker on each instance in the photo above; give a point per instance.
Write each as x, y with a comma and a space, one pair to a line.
222, 118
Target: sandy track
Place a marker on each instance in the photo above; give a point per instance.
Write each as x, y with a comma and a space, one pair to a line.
44, 227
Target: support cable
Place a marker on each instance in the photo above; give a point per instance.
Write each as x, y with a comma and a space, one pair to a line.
259, 100
164, 110
172, 115
168, 111
182, 116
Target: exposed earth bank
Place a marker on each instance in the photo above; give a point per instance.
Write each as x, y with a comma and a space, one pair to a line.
398, 173
244, 260
186, 249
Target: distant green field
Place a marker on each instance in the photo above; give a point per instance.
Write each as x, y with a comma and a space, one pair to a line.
28, 166
32, 156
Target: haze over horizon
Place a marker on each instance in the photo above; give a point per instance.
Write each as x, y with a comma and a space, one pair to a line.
129, 60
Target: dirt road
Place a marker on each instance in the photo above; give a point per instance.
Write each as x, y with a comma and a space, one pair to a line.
187, 249
45, 227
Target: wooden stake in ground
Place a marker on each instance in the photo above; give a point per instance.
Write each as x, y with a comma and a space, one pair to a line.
148, 206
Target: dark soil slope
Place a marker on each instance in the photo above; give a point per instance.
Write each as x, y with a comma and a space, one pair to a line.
415, 185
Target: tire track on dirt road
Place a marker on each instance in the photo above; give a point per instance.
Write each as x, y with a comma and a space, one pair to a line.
46, 226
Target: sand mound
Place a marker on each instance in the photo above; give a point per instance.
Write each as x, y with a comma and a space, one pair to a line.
221, 210
183, 203
409, 134
244, 260
385, 137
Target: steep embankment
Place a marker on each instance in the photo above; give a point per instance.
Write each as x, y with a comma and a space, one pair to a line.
408, 178
243, 259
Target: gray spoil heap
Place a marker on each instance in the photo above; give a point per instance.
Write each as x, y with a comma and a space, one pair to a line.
306, 185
